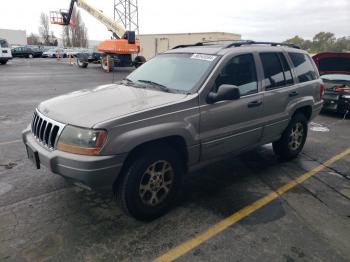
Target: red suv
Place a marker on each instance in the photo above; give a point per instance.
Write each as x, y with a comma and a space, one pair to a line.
334, 69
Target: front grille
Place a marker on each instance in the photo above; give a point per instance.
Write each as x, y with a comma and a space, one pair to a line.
45, 130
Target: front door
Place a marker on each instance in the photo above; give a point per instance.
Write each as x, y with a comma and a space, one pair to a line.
229, 126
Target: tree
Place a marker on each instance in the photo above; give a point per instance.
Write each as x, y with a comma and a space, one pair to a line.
66, 36
44, 28
33, 39
75, 35
53, 39
342, 44
296, 40
323, 41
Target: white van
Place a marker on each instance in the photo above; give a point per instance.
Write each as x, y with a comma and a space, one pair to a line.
5, 51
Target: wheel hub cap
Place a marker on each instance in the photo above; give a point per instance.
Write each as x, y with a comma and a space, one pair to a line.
156, 183
296, 136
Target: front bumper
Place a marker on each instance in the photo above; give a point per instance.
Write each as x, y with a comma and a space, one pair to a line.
91, 171
336, 103
5, 58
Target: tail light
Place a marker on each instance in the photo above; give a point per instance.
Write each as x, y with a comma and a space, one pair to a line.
321, 90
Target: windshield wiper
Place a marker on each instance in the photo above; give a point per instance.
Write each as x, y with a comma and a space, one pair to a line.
160, 86
127, 81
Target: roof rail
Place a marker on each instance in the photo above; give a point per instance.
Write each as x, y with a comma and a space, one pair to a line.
182, 46
251, 42
237, 43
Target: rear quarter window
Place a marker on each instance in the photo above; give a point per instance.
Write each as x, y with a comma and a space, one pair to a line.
303, 67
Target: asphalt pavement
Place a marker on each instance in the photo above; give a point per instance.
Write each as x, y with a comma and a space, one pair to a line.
43, 218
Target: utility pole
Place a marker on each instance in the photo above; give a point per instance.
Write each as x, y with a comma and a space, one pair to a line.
126, 12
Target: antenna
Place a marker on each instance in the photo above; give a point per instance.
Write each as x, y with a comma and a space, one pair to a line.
126, 12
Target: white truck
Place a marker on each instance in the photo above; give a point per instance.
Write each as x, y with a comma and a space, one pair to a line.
5, 51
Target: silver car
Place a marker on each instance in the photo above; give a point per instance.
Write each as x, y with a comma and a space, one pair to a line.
186, 107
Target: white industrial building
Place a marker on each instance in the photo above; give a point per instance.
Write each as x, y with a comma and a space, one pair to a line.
14, 37
153, 44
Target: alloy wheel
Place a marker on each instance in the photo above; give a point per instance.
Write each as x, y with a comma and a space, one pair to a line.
296, 136
156, 183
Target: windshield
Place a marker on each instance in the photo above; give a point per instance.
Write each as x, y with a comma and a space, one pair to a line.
336, 77
179, 72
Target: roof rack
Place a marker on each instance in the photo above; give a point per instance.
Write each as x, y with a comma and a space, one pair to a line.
237, 43
211, 42
250, 42
182, 46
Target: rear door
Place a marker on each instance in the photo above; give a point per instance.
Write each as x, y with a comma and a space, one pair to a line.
229, 126
280, 90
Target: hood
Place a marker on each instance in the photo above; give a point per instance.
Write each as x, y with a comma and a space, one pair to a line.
333, 63
86, 108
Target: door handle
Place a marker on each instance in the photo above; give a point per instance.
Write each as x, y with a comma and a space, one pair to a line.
294, 93
255, 103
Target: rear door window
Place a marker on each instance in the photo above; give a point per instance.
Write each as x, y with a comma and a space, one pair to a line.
303, 67
273, 70
286, 70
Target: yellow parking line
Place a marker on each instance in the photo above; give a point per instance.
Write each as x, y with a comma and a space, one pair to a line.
188, 245
10, 142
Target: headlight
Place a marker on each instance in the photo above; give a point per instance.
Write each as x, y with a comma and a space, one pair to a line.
81, 141
346, 96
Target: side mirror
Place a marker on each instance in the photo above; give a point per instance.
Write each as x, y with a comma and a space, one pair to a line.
224, 92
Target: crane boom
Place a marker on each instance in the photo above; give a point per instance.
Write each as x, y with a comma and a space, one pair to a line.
117, 29
121, 50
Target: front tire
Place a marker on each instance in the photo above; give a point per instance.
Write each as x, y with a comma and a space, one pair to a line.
150, 183
293, 138
3, 62
82, 64
30, 56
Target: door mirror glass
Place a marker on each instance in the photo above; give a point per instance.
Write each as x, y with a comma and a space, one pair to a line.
224, 92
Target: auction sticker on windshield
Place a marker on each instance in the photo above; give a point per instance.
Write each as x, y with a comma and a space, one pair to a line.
203, 57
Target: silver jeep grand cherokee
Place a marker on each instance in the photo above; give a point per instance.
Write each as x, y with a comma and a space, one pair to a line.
183, 108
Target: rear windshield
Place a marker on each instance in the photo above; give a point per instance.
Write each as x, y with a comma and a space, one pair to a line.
334, 64
3, 43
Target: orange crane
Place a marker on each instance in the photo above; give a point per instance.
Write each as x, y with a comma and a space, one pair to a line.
121, 51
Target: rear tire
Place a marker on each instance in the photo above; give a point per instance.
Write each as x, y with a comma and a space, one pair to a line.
30, 56
150, 182
293, 138
3, 62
